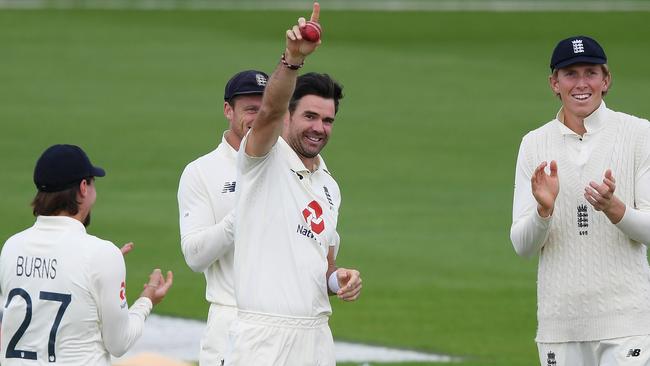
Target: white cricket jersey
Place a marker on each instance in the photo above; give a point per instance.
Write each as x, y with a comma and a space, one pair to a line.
285, 222
206, 196
593, 278
65, 300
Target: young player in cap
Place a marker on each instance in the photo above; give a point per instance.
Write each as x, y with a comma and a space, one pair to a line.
285, 222
206, 197
582, 203
65, 290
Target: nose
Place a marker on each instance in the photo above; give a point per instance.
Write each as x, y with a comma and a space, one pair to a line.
318, 126
582, 81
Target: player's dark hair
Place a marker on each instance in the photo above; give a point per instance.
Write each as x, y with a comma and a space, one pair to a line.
232, 101
321, 85
54, 203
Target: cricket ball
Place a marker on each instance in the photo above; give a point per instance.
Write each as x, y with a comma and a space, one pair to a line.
311, 31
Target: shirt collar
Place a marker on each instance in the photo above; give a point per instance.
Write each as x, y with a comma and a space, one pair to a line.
60, 222
593, 122
294, 161
228, 149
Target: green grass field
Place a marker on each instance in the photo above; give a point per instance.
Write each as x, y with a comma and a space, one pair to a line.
424, 146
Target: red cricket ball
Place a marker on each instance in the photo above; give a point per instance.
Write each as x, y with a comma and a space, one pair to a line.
311, 31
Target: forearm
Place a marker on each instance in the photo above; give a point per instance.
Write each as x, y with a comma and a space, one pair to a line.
279, 89
121, 335
275, 103
529, 232
636, 224
204, 247
120, 326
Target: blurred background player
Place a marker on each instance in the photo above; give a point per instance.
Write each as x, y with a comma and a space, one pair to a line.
588, 218
65, 290
286, 219
206, 197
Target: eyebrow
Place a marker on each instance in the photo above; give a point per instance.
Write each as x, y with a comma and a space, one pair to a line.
312, 113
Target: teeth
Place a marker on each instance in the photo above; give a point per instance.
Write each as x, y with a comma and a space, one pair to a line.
315, 139
581, 96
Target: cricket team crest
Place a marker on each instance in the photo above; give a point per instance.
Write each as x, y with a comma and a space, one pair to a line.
313, 216
260, 79
578, 47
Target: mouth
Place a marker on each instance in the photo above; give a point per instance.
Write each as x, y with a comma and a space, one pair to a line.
582, 96
314, 139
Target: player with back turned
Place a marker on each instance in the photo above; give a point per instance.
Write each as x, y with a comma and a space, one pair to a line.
582, 203
65, 292
285, 221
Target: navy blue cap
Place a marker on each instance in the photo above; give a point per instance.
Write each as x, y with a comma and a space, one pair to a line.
62, 166
245, 83
575, 50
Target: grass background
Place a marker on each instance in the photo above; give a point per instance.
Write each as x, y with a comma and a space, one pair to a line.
424, 146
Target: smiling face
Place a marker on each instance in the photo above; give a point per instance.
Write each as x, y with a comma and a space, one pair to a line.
309, 126
581, 88
240, 115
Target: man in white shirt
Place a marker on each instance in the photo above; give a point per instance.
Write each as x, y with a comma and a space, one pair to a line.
206, 197
285, 226
65, 290
582, 202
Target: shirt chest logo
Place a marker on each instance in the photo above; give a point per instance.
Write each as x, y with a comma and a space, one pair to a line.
313, 217
229, 187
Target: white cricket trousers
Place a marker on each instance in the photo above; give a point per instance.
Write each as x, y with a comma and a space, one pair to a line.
215, 338
626, 351
270, 340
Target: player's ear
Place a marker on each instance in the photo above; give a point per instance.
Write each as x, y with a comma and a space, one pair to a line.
553, 83
227, 111
83, 188
607, 81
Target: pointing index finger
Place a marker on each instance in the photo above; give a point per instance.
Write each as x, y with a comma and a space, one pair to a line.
315, 14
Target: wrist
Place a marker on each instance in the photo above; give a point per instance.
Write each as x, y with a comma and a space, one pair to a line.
291, 61
615, 211
544, 212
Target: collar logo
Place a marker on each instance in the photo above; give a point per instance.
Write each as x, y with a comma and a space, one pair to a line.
260, 79
578, 47
312, 215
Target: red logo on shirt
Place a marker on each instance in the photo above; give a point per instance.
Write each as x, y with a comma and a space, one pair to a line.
312, 215
122, 290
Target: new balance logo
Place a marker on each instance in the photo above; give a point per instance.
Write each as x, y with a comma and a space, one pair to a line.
550, 359
229, 187
634, 352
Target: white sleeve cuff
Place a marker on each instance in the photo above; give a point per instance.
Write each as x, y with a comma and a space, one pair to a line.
635, 224
333, 283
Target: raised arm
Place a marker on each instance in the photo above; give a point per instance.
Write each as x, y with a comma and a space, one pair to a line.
277, 94
533, 204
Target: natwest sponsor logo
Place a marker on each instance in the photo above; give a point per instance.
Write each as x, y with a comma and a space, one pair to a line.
313, 217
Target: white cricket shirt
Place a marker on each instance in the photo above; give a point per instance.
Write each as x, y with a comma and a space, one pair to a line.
206, 196
593, 278
65, 300
285, 222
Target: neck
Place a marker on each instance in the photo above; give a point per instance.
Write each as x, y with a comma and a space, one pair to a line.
574, 123
310, 163
232, 140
